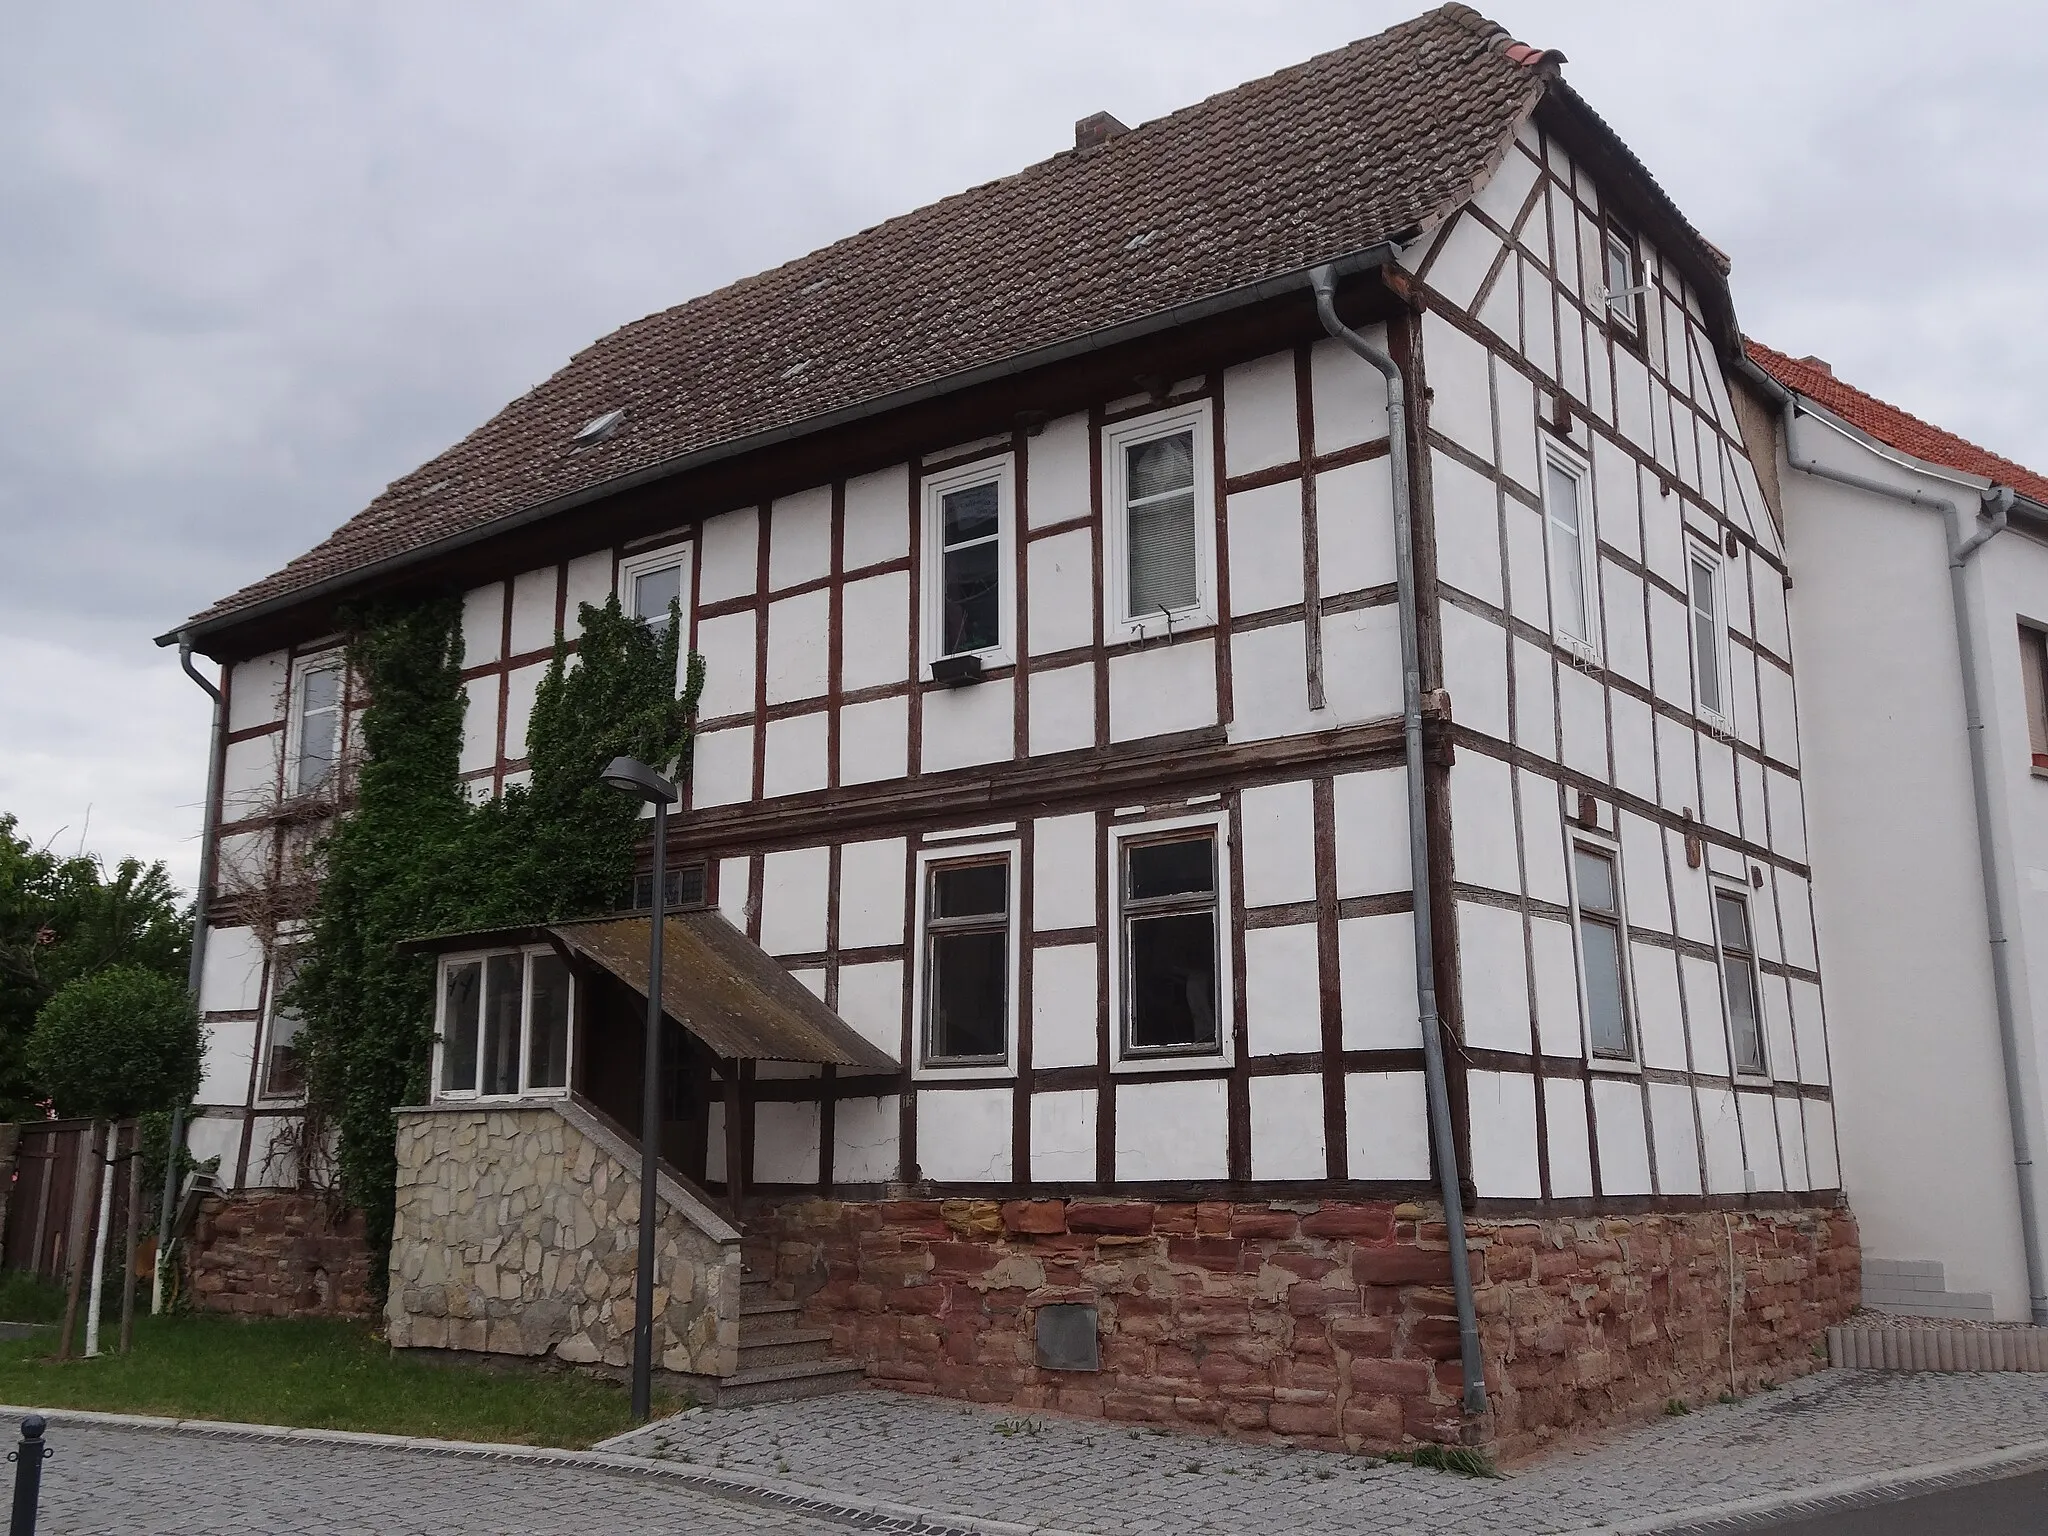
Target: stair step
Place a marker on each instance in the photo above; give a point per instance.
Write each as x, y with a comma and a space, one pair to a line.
784, 1346
787, 1382
768, 1307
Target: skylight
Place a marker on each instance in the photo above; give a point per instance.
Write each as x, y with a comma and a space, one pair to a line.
598, 428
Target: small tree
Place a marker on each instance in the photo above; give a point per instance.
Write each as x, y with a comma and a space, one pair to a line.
117, 1043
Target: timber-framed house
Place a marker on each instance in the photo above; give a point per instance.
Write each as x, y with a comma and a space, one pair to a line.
1046, 1006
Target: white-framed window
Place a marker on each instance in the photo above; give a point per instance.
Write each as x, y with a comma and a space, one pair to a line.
1624, 284
1159, 503
1735, 937
1706, 599
655, 583
319, 688
970, 562
284, 1069
1170, 942
504, 1024
965, 999
1574, 550
1601, 924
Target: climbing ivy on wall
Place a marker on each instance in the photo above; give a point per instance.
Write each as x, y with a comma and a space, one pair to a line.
414, 856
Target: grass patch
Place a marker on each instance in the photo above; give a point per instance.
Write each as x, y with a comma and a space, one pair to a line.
27, 1298
1448, 1458
312, 1374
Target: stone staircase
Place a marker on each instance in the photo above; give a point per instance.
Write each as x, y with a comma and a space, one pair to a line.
780, 1358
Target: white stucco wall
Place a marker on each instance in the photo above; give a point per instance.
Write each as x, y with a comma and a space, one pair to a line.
1924, 1136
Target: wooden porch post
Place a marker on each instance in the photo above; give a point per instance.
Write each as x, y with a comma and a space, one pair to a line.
735, 1141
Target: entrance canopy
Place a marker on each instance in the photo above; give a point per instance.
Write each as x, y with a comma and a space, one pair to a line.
715, 982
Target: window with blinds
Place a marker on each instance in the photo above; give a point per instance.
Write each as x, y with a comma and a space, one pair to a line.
1160, 513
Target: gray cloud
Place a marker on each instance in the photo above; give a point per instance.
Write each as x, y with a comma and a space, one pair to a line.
256, 260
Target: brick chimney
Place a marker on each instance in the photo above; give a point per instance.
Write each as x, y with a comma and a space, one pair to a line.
1819, 365
1099, 128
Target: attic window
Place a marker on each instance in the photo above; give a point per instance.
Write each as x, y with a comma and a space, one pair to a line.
598, 428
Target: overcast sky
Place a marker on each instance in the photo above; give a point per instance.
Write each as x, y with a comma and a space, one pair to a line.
256, 260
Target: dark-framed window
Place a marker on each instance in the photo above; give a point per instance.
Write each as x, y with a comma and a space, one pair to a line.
1603, 945
967, 963
1167, 894
682, 888
1738, 981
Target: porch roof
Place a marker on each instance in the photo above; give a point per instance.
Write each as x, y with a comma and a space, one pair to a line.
715, 982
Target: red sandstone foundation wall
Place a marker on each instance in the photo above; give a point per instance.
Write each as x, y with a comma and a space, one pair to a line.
278, 1254
1328, 1324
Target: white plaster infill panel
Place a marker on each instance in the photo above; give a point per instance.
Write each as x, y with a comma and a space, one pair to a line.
1172, 1131
866, 1140
963, 1135
1287, 1127
1063, 1136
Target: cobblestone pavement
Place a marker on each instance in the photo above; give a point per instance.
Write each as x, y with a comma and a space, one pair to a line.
1086, 1476
153, 1483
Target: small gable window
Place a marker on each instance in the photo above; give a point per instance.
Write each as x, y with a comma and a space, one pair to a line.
1624, 285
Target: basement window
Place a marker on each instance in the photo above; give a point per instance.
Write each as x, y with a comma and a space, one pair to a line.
504, 1025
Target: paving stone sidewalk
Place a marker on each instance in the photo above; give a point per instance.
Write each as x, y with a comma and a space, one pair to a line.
185, 1483
1086, 1476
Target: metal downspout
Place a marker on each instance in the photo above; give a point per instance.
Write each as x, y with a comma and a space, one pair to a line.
1324, 281
197, 966
1997, 503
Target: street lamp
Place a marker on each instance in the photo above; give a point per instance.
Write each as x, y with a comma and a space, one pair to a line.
643, 783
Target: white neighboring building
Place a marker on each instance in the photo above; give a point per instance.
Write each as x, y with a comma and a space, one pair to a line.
1902, 900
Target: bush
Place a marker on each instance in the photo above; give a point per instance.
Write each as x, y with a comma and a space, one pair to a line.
117, 1043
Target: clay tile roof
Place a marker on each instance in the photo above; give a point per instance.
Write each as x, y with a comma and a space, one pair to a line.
1331, 157
1811, 377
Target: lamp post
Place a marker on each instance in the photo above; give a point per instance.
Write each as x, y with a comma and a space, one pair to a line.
643, 783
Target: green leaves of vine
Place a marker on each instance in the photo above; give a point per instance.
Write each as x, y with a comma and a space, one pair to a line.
414, 856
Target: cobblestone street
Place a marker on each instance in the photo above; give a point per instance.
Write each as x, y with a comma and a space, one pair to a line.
866, 1449
1086, 1476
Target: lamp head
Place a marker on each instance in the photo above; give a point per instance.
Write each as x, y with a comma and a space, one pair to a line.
635, 778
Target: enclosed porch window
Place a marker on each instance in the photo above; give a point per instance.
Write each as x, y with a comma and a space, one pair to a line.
504, 1026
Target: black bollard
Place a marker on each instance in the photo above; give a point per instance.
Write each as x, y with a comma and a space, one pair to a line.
28, 1475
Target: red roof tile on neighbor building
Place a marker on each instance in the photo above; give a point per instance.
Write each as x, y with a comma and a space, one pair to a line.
1811, 377
1319, 161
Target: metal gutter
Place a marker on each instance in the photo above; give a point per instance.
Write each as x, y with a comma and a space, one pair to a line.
1996, 505
195, 969
1023, 362
1443, 1142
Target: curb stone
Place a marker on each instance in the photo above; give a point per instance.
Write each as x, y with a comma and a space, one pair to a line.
851, 1508
1846, 1493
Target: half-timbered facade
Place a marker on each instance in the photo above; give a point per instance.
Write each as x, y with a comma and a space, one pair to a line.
1052, 739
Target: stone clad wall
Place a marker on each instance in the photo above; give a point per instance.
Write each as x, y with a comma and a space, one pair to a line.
516, 1234
282, 1253
1325, 1323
